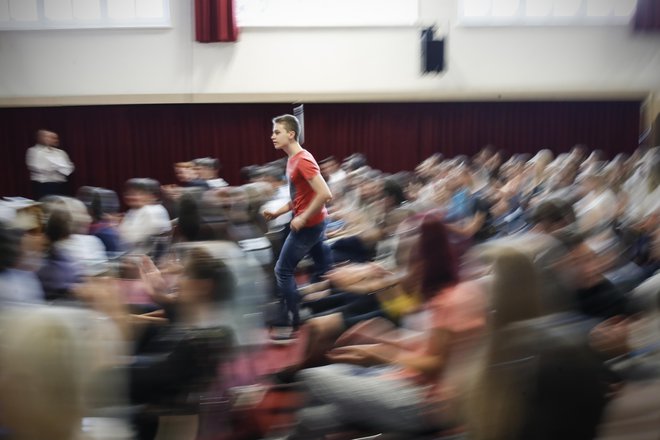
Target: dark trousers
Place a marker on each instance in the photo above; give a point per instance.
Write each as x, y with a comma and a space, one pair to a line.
298, 244
43, 189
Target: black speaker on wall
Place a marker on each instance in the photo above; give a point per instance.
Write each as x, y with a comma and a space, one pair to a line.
433, 52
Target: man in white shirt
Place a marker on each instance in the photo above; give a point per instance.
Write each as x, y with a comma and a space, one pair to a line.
49, 166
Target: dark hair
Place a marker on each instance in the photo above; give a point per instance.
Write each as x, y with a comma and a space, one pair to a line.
207, 162
290, 123
547, 212
189, 217
273, 172
356, 161
99, 201
201, 265
143, 184
437, 256
249, 172
327, 160
393, 189
59, 225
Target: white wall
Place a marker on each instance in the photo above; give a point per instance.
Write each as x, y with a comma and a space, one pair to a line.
108, 66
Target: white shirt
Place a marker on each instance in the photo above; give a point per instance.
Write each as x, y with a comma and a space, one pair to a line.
19, 287
48, 164
280, 198
86, 252
336, 181
217, 183
139, 225
596, 210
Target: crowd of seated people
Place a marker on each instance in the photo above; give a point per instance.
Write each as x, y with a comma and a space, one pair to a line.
485, 297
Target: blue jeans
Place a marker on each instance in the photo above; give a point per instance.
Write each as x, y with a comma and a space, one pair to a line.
296, 246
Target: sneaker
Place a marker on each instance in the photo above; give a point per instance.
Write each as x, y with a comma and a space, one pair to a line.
282, 335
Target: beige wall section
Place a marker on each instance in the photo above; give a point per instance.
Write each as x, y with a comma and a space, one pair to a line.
144, 66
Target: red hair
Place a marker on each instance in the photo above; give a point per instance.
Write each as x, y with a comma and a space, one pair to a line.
439, 263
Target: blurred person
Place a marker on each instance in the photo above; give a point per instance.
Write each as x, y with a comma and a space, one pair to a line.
49, 165
386, 288
536, 180
250, 173
146, 218
597, 210
281, 196
85, 251
178, 356
354, 162
59, 274
188, 176
190, 224
309, 194
389, 388
644, 192
49, 358
208, 168
17, 285
641, 214
333, 174
359, 239
535, 381
103, 206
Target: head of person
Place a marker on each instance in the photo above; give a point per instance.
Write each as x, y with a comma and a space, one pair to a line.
250, 173
329, 166
190, 219
47, 138
355, 161
59, 225
184, 171
393, 194
515, 288
435, 260
139, 192
273, 175
100, 202
551, 215
44, 366
578, 153
205, 279
207, 167
80, 217
286, 131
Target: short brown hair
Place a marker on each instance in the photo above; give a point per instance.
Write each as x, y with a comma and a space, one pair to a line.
289, 122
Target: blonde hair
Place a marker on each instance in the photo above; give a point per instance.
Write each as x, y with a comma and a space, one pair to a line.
495, 401
41, 361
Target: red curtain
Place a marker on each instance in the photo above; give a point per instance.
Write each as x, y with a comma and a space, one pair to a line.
110, 144
647, 15
215, 21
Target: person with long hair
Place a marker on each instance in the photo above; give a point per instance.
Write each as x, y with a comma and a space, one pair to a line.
393, 389
536, 380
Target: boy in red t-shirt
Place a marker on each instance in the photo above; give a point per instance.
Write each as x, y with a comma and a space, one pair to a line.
309, 194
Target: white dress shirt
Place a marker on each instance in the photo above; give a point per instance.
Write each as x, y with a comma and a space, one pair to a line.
48, 164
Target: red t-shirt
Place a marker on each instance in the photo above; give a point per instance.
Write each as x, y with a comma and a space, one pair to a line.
301, 168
